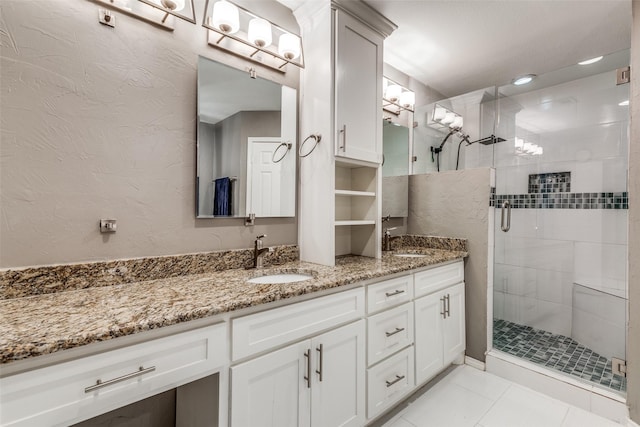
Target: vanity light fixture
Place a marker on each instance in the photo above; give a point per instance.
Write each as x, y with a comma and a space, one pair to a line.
396, 98
182, 9
523, 80
443, 117
236, 30
591, 61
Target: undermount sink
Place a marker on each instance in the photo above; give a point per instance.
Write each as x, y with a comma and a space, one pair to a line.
279, 278
410, 255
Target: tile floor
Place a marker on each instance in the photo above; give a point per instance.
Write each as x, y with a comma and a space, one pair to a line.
468, 397
557, 352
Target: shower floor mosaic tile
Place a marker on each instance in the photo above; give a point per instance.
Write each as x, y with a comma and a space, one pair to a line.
557, 352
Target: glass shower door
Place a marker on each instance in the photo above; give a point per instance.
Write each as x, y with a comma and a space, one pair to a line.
560, 270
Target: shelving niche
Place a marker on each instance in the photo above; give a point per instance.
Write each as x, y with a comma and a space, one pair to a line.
356, 209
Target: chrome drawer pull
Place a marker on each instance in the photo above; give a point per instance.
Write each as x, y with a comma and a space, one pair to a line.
398, 378
398, 330
307, 378
444, 307
398, 292
99, 383
319, 371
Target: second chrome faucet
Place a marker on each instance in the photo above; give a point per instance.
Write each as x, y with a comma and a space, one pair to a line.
259, 251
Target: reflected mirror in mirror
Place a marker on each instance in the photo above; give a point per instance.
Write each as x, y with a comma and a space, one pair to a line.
246, 148
395, 170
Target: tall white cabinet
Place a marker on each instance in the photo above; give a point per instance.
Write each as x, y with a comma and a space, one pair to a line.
340, 182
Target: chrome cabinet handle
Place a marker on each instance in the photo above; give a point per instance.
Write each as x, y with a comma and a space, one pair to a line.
343, 131
505, 205
444, 308
100, 384
307, 355
396, 292
448, 309
319, 370
398, 378
397, 331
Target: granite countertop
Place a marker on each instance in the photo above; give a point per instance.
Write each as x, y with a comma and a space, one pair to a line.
41, 324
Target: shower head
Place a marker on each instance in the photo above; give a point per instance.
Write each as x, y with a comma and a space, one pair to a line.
489, 140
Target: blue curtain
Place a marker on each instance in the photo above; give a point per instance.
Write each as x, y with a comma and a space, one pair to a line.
222, 197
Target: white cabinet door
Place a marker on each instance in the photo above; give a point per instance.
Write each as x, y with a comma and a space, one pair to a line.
428, 329
271, 390
338, 386
358, 90
454, 327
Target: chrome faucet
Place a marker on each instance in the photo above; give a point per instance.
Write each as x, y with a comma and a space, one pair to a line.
258, 251
386, 240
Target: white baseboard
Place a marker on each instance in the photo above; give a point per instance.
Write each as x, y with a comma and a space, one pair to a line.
474, 363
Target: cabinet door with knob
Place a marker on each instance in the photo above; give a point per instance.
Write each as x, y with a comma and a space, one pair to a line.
317, 382
440, 331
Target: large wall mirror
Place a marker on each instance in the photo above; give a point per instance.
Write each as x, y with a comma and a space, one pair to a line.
246, 149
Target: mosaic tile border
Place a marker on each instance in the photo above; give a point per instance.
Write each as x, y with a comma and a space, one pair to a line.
31, 281
557, 352
619, 200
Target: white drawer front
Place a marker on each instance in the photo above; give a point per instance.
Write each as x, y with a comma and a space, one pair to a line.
389, 293
261, 331
389, 382
429, 281
55, 395
388, 332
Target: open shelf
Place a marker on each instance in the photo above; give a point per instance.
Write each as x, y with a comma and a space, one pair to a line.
355, 222
355, 193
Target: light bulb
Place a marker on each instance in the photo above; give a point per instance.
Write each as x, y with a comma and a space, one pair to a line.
407, 99
439, 113
393, 92
289, 46
225, 17
457, 123
448, 118
259, 32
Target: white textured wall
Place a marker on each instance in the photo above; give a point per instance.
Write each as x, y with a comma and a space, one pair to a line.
100, 123
456, 204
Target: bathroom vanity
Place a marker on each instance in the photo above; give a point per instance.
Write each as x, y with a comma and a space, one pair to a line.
340, 348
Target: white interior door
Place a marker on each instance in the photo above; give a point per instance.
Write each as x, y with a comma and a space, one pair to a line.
264, 176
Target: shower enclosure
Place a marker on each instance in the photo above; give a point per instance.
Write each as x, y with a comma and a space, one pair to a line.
559, 212
560, 203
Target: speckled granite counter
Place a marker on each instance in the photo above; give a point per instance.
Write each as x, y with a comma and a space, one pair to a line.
46, 323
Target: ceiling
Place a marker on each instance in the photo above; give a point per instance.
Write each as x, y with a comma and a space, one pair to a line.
456, 46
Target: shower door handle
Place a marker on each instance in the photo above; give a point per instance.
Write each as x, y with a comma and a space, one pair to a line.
505, 205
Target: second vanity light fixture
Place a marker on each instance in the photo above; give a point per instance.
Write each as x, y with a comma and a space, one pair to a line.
236, 30
447, 118
396, 98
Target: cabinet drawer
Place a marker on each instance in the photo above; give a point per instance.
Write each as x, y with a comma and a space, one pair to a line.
389, 293
262, 331
61, 394
388, 332
435, 279
389, 382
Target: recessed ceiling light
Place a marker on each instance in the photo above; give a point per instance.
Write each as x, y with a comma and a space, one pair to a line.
590, 61
523, 80
624, 103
